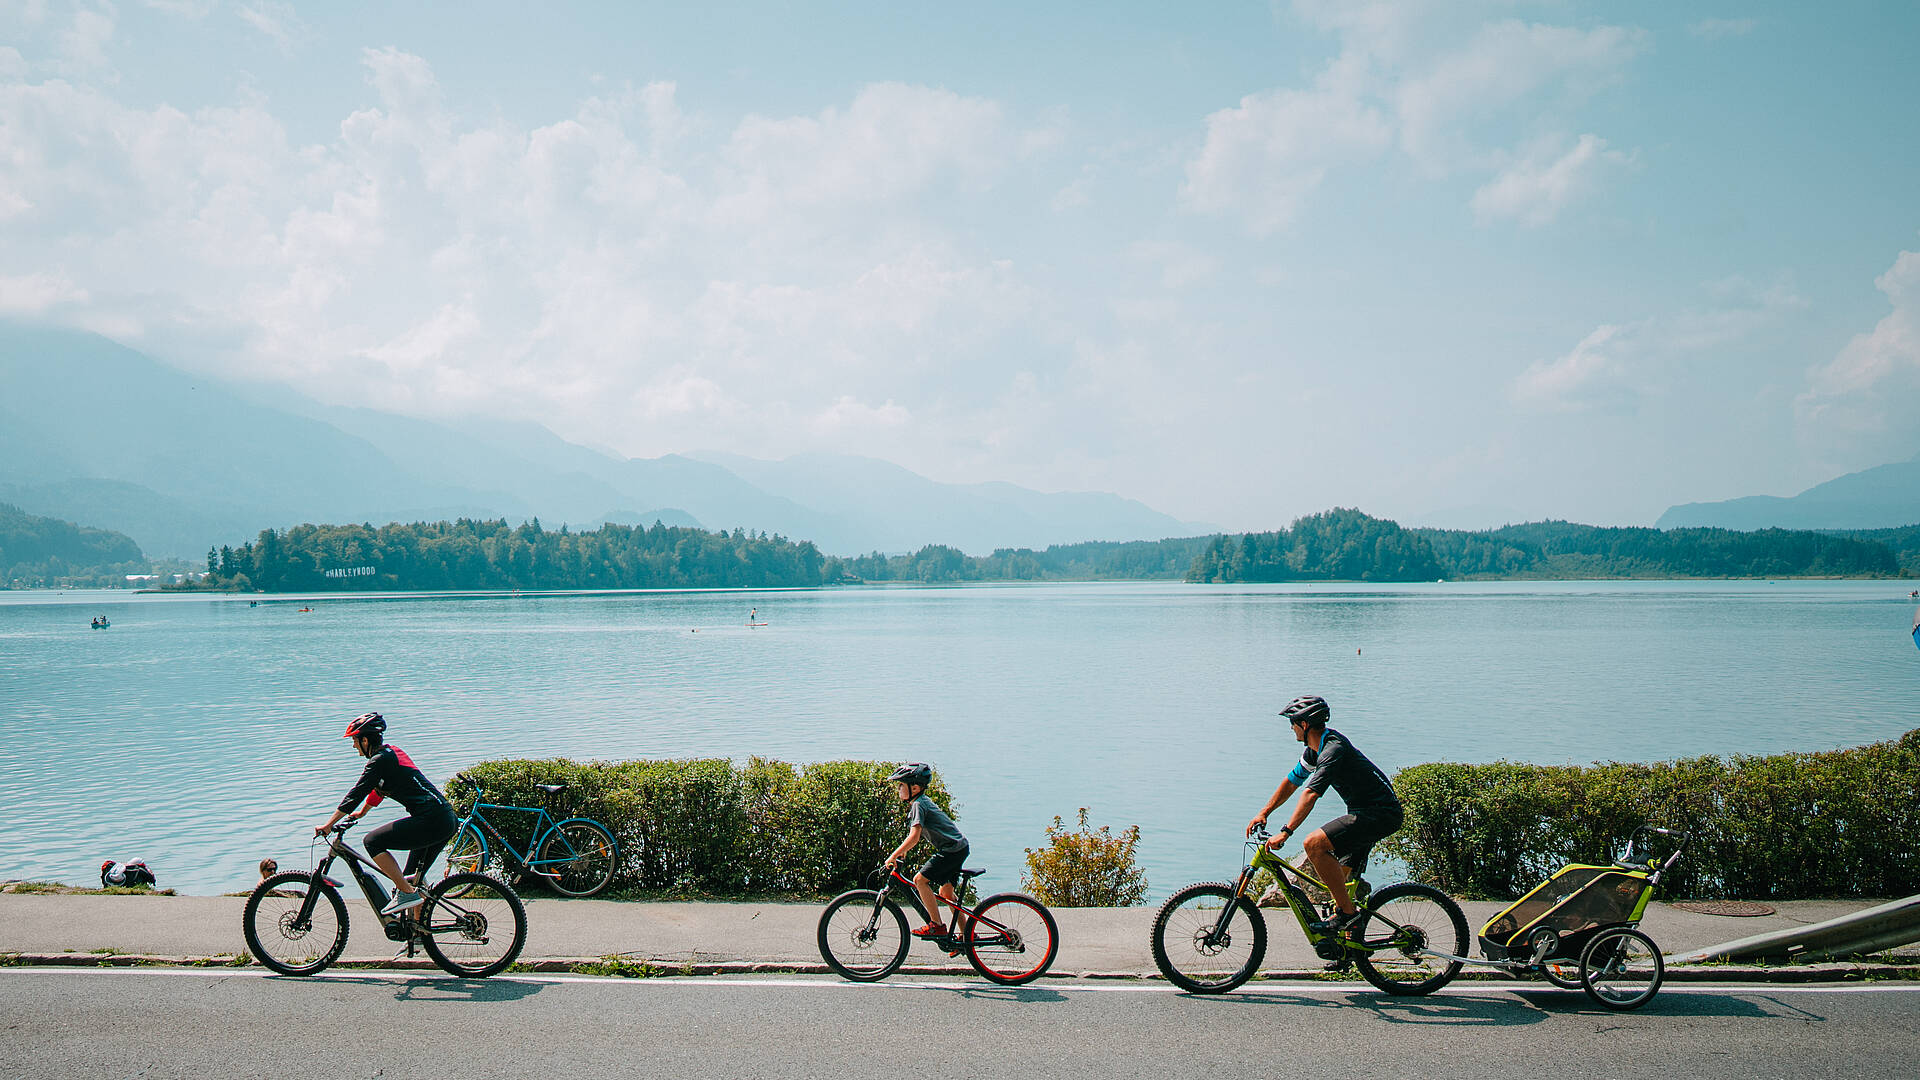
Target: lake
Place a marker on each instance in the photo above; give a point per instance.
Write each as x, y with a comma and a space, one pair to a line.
201, 733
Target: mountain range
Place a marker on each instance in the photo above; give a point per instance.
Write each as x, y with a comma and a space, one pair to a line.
1883, 497
94, 432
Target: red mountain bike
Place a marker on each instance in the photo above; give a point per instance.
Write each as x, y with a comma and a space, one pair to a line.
1009, 938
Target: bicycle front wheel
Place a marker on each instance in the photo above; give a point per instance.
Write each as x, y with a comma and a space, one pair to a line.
290, 931
1012, 939
579, 854
1401, 929
467, 854
1208, 941
1621, 968
863, 935
473, 925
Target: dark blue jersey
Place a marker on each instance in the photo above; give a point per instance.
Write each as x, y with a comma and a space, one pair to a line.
1361, 784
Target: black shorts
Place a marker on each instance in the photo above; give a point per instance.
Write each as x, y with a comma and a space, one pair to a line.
421, 836
1353, 835
944, 867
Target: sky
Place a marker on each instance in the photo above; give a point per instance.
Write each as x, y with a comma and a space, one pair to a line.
1455, 263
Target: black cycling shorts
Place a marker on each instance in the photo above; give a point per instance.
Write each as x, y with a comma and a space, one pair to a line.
944, 867
1353, 835
421, 836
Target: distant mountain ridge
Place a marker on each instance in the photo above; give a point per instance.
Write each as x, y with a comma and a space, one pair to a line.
1883, 497
97, 433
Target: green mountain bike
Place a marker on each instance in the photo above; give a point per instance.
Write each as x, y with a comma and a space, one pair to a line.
1209, 938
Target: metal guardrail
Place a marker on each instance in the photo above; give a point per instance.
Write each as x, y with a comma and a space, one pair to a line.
1862, 933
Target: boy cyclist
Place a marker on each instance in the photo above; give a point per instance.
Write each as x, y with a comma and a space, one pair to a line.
1373, 810
925, 820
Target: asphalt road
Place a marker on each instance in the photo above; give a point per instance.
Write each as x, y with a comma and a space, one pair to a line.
151, 1023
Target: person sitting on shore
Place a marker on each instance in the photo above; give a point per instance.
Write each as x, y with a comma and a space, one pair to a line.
925, 820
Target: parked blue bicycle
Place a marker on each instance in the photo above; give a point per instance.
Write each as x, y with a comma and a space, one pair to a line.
575, 857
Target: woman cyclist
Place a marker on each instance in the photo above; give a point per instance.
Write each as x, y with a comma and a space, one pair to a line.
429, 823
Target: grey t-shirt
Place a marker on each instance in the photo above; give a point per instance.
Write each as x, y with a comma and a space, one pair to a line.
939, 826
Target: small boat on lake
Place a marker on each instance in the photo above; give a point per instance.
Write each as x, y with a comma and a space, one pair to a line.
100, 622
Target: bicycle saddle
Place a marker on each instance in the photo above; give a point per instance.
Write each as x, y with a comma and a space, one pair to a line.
551, 789
968, 874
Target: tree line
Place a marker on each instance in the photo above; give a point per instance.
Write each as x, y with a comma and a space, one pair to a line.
1336, 545
492, 554
1348, 545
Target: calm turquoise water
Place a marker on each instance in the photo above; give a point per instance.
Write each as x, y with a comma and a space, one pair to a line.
201, 733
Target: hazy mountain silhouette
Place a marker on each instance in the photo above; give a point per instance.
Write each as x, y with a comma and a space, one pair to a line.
1883, 497
880, 505
94, 432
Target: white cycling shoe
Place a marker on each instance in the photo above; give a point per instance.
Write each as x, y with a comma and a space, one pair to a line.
405, 901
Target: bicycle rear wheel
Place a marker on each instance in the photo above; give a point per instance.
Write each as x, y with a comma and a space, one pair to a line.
288, 934
1207, 941
1403, 926
859, 942
1012, 939
580, 854
473, 925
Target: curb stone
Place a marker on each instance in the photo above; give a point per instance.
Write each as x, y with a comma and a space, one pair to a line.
561, 965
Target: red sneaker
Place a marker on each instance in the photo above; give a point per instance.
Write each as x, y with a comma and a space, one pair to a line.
932, 929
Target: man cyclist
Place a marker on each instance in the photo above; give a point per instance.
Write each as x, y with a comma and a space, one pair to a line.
1373, 810
429, 823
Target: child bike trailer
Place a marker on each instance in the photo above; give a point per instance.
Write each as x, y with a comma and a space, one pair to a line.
1579, 928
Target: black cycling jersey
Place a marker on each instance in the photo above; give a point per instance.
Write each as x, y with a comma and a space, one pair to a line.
390, 772
1361, 784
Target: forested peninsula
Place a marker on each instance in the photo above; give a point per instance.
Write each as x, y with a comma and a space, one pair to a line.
37, 552
1338, 545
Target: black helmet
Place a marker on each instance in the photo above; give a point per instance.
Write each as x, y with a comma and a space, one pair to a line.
1309, 710
915, 772
372, 724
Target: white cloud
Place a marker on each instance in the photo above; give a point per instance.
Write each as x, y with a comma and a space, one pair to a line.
1590, 375
847, 412
619, 272
1263, 157
1505, 63
1534, 189
34, 294
1408, 74
1619, 366
893, 140
83, 46
1873, 384
278, 21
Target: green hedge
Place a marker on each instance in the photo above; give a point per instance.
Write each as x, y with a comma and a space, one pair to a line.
710, 827
1843, 823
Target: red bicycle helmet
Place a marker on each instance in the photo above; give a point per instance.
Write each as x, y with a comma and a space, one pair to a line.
365, 724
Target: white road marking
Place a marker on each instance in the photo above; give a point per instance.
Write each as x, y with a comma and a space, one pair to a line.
830, 983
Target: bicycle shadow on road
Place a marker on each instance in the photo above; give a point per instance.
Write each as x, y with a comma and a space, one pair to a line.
1756, 1004
1019, 994
1448, 1010
451, 989
1508, 1007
